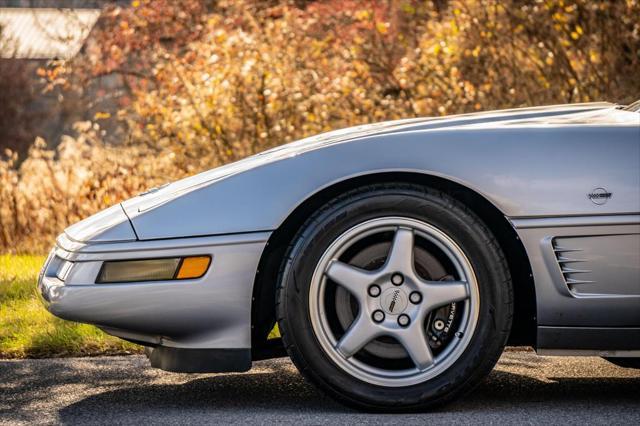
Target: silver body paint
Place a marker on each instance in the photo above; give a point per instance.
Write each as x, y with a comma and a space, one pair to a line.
537, 166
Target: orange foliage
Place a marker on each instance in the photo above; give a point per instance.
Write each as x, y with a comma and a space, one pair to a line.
211, 84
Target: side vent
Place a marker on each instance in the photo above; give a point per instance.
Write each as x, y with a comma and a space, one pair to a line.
570, 260
598, 265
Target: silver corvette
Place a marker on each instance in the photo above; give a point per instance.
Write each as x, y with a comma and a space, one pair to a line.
398, 259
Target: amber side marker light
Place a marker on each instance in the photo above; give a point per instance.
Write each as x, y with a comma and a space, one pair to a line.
193, 267
165, 269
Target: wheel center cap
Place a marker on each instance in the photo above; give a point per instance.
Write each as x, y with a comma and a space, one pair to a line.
393, 301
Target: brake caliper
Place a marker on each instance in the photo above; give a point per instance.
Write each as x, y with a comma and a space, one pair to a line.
440, 325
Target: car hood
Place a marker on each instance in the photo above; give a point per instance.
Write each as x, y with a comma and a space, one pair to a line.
109, 225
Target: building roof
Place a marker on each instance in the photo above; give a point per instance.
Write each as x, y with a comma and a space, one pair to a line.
42, 33
64, 4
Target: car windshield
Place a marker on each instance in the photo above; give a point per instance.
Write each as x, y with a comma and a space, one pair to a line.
635, 107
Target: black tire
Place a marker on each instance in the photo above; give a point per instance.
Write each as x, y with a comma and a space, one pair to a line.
416, 202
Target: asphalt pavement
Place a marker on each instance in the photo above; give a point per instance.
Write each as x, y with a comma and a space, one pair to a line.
523, 389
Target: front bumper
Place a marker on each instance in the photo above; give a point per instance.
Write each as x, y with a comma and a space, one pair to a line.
209, 313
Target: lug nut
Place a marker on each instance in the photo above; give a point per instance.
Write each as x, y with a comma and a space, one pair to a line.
415, 297
404, 320
374, 290
397, 279
378, 316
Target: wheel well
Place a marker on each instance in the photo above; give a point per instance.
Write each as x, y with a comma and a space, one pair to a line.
263, 303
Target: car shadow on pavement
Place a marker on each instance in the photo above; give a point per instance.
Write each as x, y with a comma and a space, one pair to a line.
46, 383
281, 390
284, 392
510, 389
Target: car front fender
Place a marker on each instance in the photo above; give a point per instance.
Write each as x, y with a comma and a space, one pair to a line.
524, 172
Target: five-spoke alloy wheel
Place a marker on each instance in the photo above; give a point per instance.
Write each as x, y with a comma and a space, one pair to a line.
394, 301
394, 297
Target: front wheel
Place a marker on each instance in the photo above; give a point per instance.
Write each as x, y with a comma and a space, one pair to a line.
394, 298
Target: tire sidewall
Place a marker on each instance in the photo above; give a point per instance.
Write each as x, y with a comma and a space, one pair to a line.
437, 210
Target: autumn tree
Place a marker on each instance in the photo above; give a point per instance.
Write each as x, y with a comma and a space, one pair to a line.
202, 83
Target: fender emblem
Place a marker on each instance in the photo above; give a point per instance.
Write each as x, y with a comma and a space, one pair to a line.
599, 196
